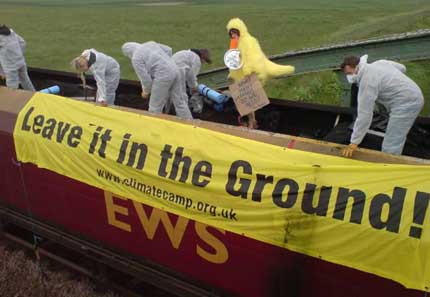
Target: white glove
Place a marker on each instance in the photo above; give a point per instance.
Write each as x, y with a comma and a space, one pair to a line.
145, 94
195, 88
102, 101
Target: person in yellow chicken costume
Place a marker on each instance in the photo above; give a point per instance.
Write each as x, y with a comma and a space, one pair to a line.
252, 59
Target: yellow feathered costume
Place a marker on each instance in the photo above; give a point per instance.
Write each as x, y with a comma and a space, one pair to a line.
253, 58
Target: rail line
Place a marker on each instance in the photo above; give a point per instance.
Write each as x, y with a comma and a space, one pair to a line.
129, 277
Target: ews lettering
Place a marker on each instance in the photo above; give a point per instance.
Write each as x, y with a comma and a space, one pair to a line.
155, 222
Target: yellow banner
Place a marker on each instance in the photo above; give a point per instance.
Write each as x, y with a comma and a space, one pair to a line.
372, 217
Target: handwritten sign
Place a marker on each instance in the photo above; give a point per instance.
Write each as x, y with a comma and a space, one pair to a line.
248, 95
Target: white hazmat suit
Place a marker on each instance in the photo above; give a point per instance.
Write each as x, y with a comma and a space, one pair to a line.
385, 82
189, 62
159, 76
165, 48
106, 72
189, 65
12, 61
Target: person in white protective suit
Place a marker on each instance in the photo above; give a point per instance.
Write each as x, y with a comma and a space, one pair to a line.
12, 61
190, 62
105, 70
166, 49
383, 82
159, 76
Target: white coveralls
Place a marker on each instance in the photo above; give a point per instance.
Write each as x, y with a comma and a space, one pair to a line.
385, 82
106, 72
12, 61
158, 75
166, 49
189, 65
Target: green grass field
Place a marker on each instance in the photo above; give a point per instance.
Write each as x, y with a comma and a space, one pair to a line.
58, 30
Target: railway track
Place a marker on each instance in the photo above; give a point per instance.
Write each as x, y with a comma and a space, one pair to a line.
55, 257
106, 268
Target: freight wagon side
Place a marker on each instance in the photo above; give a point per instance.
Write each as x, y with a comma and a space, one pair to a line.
219, 261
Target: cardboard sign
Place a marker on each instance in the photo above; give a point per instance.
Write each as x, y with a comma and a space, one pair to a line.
248, 95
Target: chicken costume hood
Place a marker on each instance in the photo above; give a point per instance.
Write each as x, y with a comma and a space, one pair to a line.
253, 58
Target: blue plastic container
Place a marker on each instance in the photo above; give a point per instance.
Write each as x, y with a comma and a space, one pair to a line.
51, 90
212, 94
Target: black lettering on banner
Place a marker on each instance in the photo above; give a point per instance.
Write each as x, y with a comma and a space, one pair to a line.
46, 128
137, 151
74, 137
262, 181
105, 139
123, 149
166, 155
395, 208
25, 126
323, 201
62, 130
49, 129
202, 169
293, 189
181, 166
95, 140
188, 203
357, 209
232, 214
385, 211
159, 192
38, 123
244, 183
177, 161
142, 150
228, 214
224, 213
212, 210
420, 208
